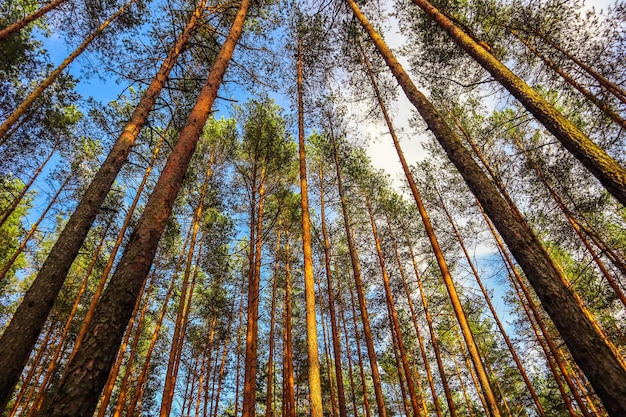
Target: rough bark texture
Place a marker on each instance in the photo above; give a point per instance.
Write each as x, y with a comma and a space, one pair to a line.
21, 334
596, 356
611, 174
77, 394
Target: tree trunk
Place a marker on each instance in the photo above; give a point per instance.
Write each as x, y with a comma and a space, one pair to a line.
394, 315
431, 330
608, 171
87, 373
595, 355
289, 396
331, 303
254, 292
21, 334
447, 278
425, 361
509, 345
315, 388
6, 213
270, 360
20, 24
356, 269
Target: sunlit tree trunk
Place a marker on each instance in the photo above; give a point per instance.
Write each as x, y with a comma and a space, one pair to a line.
356, 269
420, 340
394, 315
431, 330
289, 400
20, 24
447, 278
270, 362
124, 387
509, 345
315, 389
331, 302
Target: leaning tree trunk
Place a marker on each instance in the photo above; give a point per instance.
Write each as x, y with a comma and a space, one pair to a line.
595, 355
78, 393
608, 171
443, 266
20, 24
21, 334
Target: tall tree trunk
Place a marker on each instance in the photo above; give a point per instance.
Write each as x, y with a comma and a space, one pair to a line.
37, 92
420, 341
20, 336
254, 293
331, 303
289, 396
348, 351
87, 373
20, 24
359, 354
433, 337
315, 388
270, 360
184, 303
595, 355
356, 269
509, 345
447, 278
394, 315
608, 171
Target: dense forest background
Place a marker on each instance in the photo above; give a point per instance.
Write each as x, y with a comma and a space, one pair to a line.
256, 207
